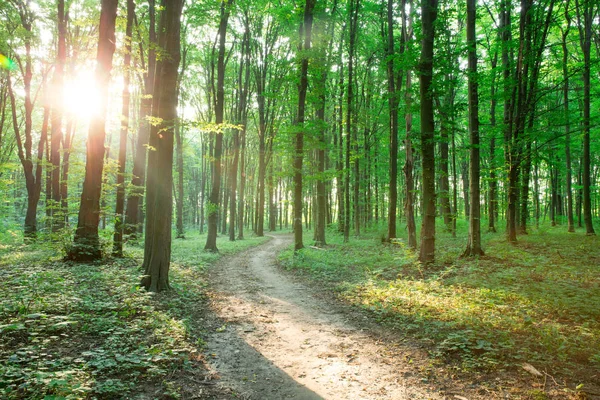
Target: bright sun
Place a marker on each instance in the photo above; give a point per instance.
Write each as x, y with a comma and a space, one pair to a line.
80, 96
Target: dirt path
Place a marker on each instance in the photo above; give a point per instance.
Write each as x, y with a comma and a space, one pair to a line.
280, 341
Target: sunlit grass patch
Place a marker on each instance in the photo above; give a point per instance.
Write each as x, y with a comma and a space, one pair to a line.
538, 301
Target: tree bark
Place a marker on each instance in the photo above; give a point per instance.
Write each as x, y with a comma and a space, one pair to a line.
120, 203
409, 202
213, 201
56, 119
86, 244
134, 213
474, 239
159, 201
565, 70
428, 17
585, 15
393, 110
304, 47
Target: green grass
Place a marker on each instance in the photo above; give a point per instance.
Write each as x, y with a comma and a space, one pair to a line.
74, 331
536, 302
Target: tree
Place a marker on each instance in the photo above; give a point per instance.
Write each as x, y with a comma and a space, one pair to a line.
586, 13
56, 136
33, 177
86, 244
409, 203
213, 201
303, 48
428, 17
393, 111
120, 202
159, 199
133, 213
474, 241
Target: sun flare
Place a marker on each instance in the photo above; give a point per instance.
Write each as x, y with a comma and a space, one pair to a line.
81, 97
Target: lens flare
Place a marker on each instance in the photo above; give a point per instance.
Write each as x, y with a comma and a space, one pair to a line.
7, 63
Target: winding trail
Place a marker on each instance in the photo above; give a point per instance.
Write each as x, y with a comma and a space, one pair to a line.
278, 340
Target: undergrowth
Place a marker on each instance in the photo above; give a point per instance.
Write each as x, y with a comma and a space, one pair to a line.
536, 302
76, 331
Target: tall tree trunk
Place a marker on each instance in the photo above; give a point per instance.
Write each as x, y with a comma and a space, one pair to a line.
159, 201
24, 148
119, 216
409, 202
213, 201
565, 67
586, 11
179, 200
56, 119
512, 165
353, 21
428, 17
474, 240
241, 112
493, 183
322, 209
393, 111
341, 185
134, 214
86, 244
305, 39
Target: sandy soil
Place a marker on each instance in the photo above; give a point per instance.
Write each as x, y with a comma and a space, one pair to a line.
276, 338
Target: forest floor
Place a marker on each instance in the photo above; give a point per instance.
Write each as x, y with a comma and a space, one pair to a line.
357, 320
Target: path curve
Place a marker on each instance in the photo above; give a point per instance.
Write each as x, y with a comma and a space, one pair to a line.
277, 340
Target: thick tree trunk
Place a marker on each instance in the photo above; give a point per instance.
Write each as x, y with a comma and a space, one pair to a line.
474, 240
428, 17
119, 216
159, 201
86, 244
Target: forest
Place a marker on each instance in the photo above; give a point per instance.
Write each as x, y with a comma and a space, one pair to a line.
311, 199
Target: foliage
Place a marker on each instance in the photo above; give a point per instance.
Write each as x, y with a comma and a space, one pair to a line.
78, 330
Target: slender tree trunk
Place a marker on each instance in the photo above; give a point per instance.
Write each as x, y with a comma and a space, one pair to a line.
305, 43
86, 245
341, 185
409, 202
353, 20
119, 216
179, 200
213, 201
428, 17
393, 110
493, 182
56, 119
134, 213
586, 11
474, 240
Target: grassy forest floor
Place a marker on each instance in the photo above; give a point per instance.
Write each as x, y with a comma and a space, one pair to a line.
72, 331
533, 304
88, 331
